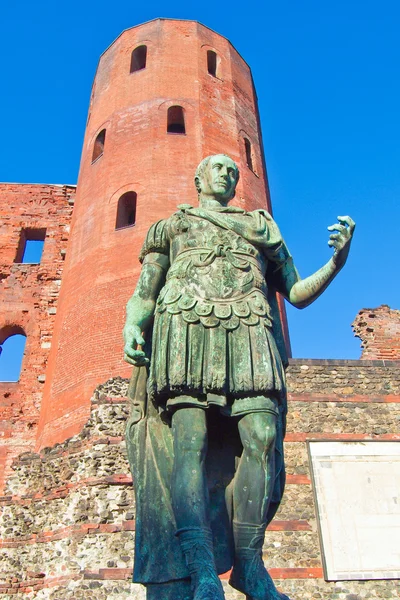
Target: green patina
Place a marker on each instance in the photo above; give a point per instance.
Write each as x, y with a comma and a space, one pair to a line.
205, 436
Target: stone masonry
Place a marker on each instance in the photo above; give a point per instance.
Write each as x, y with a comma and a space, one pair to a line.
68, 517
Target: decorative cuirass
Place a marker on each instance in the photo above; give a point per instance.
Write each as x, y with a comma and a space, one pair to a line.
216, 276
213, 331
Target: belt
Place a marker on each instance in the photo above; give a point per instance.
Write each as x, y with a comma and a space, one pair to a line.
219, 251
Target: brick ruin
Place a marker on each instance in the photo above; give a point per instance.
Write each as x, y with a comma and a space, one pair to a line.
28, 303
379, 332
67, 520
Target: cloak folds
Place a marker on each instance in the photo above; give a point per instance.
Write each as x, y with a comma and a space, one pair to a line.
158, 556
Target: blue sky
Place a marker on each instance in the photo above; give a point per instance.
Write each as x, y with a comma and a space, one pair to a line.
327, 79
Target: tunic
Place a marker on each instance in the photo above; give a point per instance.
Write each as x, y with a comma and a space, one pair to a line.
212, 334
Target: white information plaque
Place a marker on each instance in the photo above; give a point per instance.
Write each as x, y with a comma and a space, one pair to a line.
357, 490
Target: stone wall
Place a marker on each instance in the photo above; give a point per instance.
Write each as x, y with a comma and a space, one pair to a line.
28, 302
68, 516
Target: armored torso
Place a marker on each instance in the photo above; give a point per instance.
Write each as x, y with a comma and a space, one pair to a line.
216, 276
212, 327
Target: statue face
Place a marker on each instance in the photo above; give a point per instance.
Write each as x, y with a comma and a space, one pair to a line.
219, 178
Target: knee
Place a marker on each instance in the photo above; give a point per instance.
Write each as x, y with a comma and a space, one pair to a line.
269, 435
190, 436
258, 435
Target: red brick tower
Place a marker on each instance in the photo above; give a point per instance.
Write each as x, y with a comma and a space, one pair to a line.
166, 94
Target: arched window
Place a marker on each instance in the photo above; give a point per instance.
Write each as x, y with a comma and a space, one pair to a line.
98, 147
175, 120
249, 158
30, 247
12, 347
126, 211
212, 62
138, 58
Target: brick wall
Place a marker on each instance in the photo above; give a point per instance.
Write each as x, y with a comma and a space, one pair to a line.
379, 332
139, 155
28, 300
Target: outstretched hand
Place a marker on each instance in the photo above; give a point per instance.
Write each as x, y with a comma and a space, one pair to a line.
340, 240
133, 353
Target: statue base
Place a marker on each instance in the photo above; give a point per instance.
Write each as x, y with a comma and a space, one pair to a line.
173, 590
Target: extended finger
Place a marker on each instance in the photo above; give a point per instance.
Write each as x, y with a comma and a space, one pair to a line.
333, 243
337, 227
348, 221
337, 240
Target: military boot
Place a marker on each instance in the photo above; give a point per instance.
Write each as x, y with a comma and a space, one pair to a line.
249, 574
197, 547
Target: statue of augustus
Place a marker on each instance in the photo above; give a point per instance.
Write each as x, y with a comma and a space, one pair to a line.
205, 437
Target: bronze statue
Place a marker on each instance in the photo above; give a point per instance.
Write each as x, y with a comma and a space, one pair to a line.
205, 441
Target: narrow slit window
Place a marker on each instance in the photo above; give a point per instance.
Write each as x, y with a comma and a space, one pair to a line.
138, 59
176, 120
212, 62
12, 348
126, 211
98, 147
30, 247
249, 158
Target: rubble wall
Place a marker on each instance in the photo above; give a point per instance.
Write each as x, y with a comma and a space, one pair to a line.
68, 517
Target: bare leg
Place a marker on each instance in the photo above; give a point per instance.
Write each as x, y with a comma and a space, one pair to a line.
188, 485
190, 502
254, 477
253, 485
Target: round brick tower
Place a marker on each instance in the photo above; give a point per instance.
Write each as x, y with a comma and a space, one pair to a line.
166, 94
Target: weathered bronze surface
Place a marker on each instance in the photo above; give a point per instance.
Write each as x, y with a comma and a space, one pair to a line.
205, 435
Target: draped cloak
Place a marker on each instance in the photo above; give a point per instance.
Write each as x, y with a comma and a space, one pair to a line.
238, 301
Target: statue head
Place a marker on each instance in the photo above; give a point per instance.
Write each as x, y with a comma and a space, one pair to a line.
216, 178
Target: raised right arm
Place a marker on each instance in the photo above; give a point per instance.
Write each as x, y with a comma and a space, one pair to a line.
141, 306
302, 292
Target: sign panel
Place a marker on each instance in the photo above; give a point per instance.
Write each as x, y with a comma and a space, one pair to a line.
357, 490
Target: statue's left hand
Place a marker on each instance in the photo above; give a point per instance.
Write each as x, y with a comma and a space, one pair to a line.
340, 240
